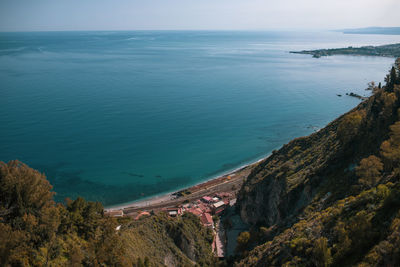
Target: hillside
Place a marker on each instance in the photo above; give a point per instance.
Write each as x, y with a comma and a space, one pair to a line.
35, 231
331, 198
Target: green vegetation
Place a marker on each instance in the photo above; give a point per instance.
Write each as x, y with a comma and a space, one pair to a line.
333, 198
354, 231
173, 242
242, 241
350, 125
369, 171
35, 231
392, 50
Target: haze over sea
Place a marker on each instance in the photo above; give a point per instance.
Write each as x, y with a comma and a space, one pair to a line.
118, 116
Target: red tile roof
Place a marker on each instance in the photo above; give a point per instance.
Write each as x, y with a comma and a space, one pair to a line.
195, 211
206, 219
204, 208
207, 198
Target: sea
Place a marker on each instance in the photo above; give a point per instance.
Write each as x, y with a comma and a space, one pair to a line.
118, 116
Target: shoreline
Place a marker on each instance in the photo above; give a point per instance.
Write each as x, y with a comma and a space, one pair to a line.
170, 198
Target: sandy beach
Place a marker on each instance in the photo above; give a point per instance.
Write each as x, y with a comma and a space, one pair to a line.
230, 182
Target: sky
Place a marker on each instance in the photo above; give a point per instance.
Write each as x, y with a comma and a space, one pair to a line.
61, 15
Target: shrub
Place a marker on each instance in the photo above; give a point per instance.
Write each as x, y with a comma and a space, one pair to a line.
369, 171
349, 126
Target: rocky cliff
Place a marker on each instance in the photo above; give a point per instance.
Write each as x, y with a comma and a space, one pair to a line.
309, 175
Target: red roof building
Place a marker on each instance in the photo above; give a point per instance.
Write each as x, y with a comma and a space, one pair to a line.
207, 199
204, 207
207, 220
196, 211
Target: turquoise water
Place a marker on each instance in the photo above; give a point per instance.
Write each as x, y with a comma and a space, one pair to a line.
118, 116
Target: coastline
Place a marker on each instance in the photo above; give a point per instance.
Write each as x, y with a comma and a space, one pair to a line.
172, 198
200, 189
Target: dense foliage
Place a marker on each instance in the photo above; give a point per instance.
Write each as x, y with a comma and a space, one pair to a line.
35, 231
182, 241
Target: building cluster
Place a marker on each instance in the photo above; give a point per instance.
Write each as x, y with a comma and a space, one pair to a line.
204, 207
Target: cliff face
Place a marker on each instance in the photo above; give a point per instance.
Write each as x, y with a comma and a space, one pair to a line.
297, 197
286, 182
308, 168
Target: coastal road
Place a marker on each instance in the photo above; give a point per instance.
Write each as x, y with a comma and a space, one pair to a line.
220, 184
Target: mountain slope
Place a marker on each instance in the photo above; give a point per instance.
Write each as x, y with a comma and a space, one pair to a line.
306, 194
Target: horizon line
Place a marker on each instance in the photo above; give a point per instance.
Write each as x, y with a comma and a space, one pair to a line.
204, 30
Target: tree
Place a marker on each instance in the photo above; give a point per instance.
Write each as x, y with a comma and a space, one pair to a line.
397, 67
349, 125
390, 149
393, 75
75, 255
391, 79
321, 252
22, 190
359, 229
369, 171
242, 241
28, 214
343, 245
389, 101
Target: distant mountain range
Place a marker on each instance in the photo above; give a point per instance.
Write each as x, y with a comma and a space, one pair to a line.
373, 30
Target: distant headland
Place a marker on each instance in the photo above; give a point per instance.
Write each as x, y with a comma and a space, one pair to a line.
373, 30
391, 50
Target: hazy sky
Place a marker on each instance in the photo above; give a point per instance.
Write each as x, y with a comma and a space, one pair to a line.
27, 15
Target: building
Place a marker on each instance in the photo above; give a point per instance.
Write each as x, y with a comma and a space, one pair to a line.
186, 206
204, 207
114, 213
207, 199
174, 212
195, 211
219, 207
207, 220
222, 195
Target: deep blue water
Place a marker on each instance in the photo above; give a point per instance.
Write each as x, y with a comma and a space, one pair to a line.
117, 116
